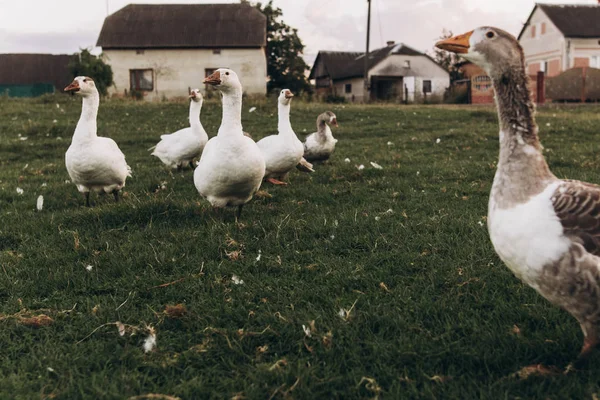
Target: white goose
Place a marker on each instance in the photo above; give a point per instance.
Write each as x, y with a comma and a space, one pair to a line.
320, 145
93, 163
283, 151
545, 229
184, 146
232, 166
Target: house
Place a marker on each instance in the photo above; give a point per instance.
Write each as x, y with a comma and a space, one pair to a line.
396, 72
557, 37
28, 75
476, 82
161, 50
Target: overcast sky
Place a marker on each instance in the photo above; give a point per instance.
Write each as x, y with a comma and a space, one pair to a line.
64, 26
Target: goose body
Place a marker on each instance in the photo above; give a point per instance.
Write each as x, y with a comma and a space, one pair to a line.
282, 152
181, 148
319, 145
232, 166
93, 163
546, 230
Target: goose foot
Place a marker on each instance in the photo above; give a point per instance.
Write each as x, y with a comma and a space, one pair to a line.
536, 370
276, 182
192, 166
116, 195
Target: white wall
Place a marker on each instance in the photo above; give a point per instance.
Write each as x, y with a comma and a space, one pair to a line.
358, 86
176, 70
543, 47
421, 68
584, 48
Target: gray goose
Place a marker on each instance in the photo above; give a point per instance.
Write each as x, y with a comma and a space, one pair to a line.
545, 229
320, 145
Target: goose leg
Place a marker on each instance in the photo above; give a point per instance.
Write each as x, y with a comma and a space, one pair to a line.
116, 194
238, 212
87, 199
192, 166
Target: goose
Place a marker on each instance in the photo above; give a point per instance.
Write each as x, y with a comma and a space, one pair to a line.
320, 145
282, 152
232, 166
93, 162
545, 229
182, 147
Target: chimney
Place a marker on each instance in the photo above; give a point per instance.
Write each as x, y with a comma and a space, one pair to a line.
391, 42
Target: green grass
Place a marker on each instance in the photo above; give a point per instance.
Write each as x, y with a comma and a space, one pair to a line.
433, 310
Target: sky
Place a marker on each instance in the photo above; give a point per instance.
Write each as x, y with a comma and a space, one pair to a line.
64, 26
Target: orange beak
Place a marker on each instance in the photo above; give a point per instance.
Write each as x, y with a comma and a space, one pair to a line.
73, 87
457, 44
192, 95
213, 79
288, 94
334, 122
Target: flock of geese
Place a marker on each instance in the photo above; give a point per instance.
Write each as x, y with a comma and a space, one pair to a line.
232, 165
546, 230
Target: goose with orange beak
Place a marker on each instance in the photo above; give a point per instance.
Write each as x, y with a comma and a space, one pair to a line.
282, 152
232, 166
319, 146
94, 163
181, 148
545, 229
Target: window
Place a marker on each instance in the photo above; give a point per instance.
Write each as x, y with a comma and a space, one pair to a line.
216, 51
543, 28
482, 83
595, 61
406, 63
209, 71
348, 88
141, 79
544, 66
426, 86
139, 51
533, 31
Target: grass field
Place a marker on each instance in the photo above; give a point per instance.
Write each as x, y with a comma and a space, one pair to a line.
391, 269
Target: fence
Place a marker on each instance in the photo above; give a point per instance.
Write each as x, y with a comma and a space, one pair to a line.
32, 90
576, 84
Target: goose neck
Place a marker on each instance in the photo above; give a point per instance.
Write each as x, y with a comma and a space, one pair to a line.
194, 115
284, 125
86, 126
522, 170
232, 113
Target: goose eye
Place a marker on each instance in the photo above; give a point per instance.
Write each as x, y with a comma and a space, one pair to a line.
85, 80
226, 73
490, 35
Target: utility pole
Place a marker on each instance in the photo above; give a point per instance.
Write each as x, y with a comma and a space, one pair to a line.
367, 83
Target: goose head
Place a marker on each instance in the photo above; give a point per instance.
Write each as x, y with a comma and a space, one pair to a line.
285, 97
195, 95
331, 118
82, 85
224, 79
494, 50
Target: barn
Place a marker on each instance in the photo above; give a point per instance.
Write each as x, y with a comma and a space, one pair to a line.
162, 50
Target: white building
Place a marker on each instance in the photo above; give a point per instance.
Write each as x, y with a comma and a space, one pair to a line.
163, 50
396, 72
558, 37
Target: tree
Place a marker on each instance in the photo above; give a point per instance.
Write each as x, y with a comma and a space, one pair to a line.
448, 60
86, 64
285, 66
